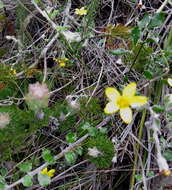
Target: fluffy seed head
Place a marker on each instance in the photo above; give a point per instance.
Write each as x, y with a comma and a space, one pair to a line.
4, 119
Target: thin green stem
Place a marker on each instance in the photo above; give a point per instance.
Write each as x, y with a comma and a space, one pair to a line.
158, 86
137, 149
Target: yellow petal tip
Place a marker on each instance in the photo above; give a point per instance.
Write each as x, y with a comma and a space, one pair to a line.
169, 80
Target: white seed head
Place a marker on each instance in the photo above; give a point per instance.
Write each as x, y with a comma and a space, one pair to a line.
94, 152
4, 119
38, 91
72, 36
73, 103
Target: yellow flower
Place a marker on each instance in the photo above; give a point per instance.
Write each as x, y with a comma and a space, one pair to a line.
61, 61
50, 173
12, 72
81, 11
124, 101
62, 64
31, 72
169, 81
166, 172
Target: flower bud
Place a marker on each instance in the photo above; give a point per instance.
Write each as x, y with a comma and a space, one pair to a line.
163, 166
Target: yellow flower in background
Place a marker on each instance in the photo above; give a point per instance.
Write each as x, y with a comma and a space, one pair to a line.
81, 11
169, 80
12, 72
124, 101
50, 173
61, 61
166, 172
31, 72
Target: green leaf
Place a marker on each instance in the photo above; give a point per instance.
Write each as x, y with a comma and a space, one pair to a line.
138, 177
106, 148
125, 79
119, 51
144, 22
54, 14
2, 186
44, 180
48, 157
3, 51
148, 74
92, 131
1, 5
61, 28
168, 42
169, 125
158, 108
120, 31
37, 1
135, 34
169, 114
79, 150
27, 181
157, 122
150, 174
25, 166
85, 126
168, 104
2, 183
70, 157
168, 155
152, 39
3, 171
71, 137
157, 20
103, 130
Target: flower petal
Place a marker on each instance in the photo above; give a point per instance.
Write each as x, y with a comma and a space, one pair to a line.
44, 171
112, 93
169, 81
137, 101
126, 115
111, 108
76, 11
51, 173
129, 90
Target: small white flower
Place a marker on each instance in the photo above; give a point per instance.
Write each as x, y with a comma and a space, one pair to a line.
4, 119
114, 159
114, 140
72, 36
119, 61
94, 152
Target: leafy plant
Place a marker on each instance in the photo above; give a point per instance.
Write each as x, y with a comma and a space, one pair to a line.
106, 148
25, 166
